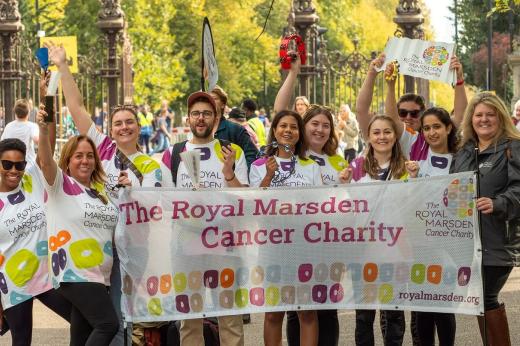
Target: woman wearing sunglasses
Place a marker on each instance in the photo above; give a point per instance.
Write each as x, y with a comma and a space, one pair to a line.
23, 244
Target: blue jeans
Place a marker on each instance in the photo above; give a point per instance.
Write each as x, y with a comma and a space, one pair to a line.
162, 144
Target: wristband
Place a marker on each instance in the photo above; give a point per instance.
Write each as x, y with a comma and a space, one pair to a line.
460, 82
233, 177
285, 58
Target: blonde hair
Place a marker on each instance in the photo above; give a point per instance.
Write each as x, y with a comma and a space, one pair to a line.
98, 175
506, 128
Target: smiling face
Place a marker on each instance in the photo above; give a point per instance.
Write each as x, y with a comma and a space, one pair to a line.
317, 131
300, 107
381, 136
411, 112
436, 133
10, 179
485, 122
82, 163
125, 128
201, 119
286, 131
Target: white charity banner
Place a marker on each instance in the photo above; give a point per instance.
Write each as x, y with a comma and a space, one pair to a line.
422, 59
391, 245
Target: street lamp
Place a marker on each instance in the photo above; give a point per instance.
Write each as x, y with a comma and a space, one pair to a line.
10, 26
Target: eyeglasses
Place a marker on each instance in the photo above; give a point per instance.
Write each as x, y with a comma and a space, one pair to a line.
205, 114
18, 165
403, 113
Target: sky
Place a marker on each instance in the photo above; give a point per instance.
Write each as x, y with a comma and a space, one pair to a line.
444, 29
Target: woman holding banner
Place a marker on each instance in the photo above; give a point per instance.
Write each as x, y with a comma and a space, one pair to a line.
432, 154
383, 161
119, 152
285, 164
81, 223
490, 144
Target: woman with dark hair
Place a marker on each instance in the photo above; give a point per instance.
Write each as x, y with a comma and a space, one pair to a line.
432, 154
23, 244
285, 164
81, 224
383, 161
488, 128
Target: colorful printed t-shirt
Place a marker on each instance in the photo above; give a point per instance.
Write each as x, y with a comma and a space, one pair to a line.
149, 168
211, 163
306, 172
23, 240
330, 166
80, 228
408, 138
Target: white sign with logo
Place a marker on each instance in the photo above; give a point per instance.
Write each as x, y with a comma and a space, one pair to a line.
423, 59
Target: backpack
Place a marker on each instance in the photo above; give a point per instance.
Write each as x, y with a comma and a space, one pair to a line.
178, 148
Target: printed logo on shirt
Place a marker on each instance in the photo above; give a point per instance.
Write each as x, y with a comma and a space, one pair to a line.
439, 162
320, 161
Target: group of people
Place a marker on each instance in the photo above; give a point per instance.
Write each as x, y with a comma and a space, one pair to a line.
70, 262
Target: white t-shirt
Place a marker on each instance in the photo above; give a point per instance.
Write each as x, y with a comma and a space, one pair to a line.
430, 163
330, 166
24, 269
81, 229
149, 167
306, 172
24, 131
408, 138
211, 163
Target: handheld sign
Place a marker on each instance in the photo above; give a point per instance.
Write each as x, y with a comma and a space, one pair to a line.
42, 54
423, 59
209, 63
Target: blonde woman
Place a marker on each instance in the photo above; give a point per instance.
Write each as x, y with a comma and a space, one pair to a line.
488, 127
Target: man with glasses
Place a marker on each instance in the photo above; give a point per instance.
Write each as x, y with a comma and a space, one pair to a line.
222, 164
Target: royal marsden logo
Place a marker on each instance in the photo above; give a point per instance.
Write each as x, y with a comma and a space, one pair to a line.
436, 56
458, 197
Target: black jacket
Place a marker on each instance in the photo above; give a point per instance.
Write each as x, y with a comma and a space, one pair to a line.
237, 134
500, 181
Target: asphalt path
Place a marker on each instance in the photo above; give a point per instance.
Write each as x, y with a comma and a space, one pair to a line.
51, 330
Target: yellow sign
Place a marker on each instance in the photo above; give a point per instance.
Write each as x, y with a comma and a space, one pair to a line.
70, 44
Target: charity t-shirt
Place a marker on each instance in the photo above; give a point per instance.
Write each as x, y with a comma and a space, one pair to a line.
330, 166
359, 175
430, 163
81, 228
211, 163
24, 269
24, 131
301, 173
408, 138
149, 167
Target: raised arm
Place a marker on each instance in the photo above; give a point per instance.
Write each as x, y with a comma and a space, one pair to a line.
45, 157
391, 99
461, 99
364, 99
283, 98
73, 97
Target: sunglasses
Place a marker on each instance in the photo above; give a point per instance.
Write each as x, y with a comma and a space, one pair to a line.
18, 165
413, 113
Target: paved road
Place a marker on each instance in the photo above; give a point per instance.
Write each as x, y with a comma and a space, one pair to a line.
51, 330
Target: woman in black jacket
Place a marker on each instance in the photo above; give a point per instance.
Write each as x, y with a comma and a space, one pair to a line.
488, 127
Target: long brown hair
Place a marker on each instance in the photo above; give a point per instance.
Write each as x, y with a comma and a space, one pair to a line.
301, 146
331, 145
397, 160
98, 175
